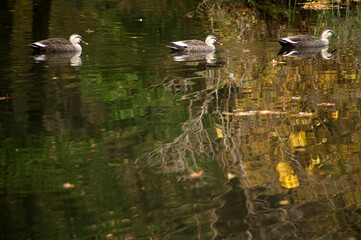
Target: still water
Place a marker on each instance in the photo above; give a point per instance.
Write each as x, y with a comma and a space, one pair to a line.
127, 141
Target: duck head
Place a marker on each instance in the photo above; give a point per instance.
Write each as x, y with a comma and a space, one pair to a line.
76, 39
328, 33
211, 39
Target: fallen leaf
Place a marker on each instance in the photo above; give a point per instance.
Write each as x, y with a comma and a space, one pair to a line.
125, 220
284, 202
196, 174
68, 185
326, 104
230, 176
5, 98
89, 31
275, 62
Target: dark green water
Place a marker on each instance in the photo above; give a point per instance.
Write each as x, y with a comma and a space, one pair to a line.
106, 145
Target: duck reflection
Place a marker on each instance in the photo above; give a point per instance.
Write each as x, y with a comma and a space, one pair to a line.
306, 52
210, 57
74, 58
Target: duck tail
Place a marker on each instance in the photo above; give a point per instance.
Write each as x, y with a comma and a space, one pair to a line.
175, 48
36, 47
286, 42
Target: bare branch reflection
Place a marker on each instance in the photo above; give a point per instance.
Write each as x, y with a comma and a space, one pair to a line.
267, 136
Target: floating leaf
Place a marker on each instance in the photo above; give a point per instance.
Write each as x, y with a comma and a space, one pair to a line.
196, 174
230, 176
275, 62
68, 185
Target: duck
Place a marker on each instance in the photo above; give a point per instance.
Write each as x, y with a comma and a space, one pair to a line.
59, 44
307, 40
194, 45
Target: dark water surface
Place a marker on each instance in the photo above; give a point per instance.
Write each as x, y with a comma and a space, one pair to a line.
124, 142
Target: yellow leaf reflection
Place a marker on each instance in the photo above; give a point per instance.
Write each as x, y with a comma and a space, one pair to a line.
315, 160
334, 114
310, 168
219, 132
287, 177
298, 139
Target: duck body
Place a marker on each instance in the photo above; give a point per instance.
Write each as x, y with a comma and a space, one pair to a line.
194, 45
307, 40
59, 44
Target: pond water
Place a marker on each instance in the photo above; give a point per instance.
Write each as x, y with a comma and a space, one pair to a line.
129, 141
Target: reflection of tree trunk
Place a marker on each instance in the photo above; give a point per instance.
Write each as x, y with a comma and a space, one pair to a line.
6, 19
41, 16
237, 158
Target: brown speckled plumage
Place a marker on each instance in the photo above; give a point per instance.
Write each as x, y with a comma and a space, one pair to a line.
307, 40
59, 44
195, 45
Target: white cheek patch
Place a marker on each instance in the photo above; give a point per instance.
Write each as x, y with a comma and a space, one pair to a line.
181, 44
40, 44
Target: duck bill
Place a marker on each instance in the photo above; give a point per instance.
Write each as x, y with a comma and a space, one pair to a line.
219, 43
84, 42
335, 36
